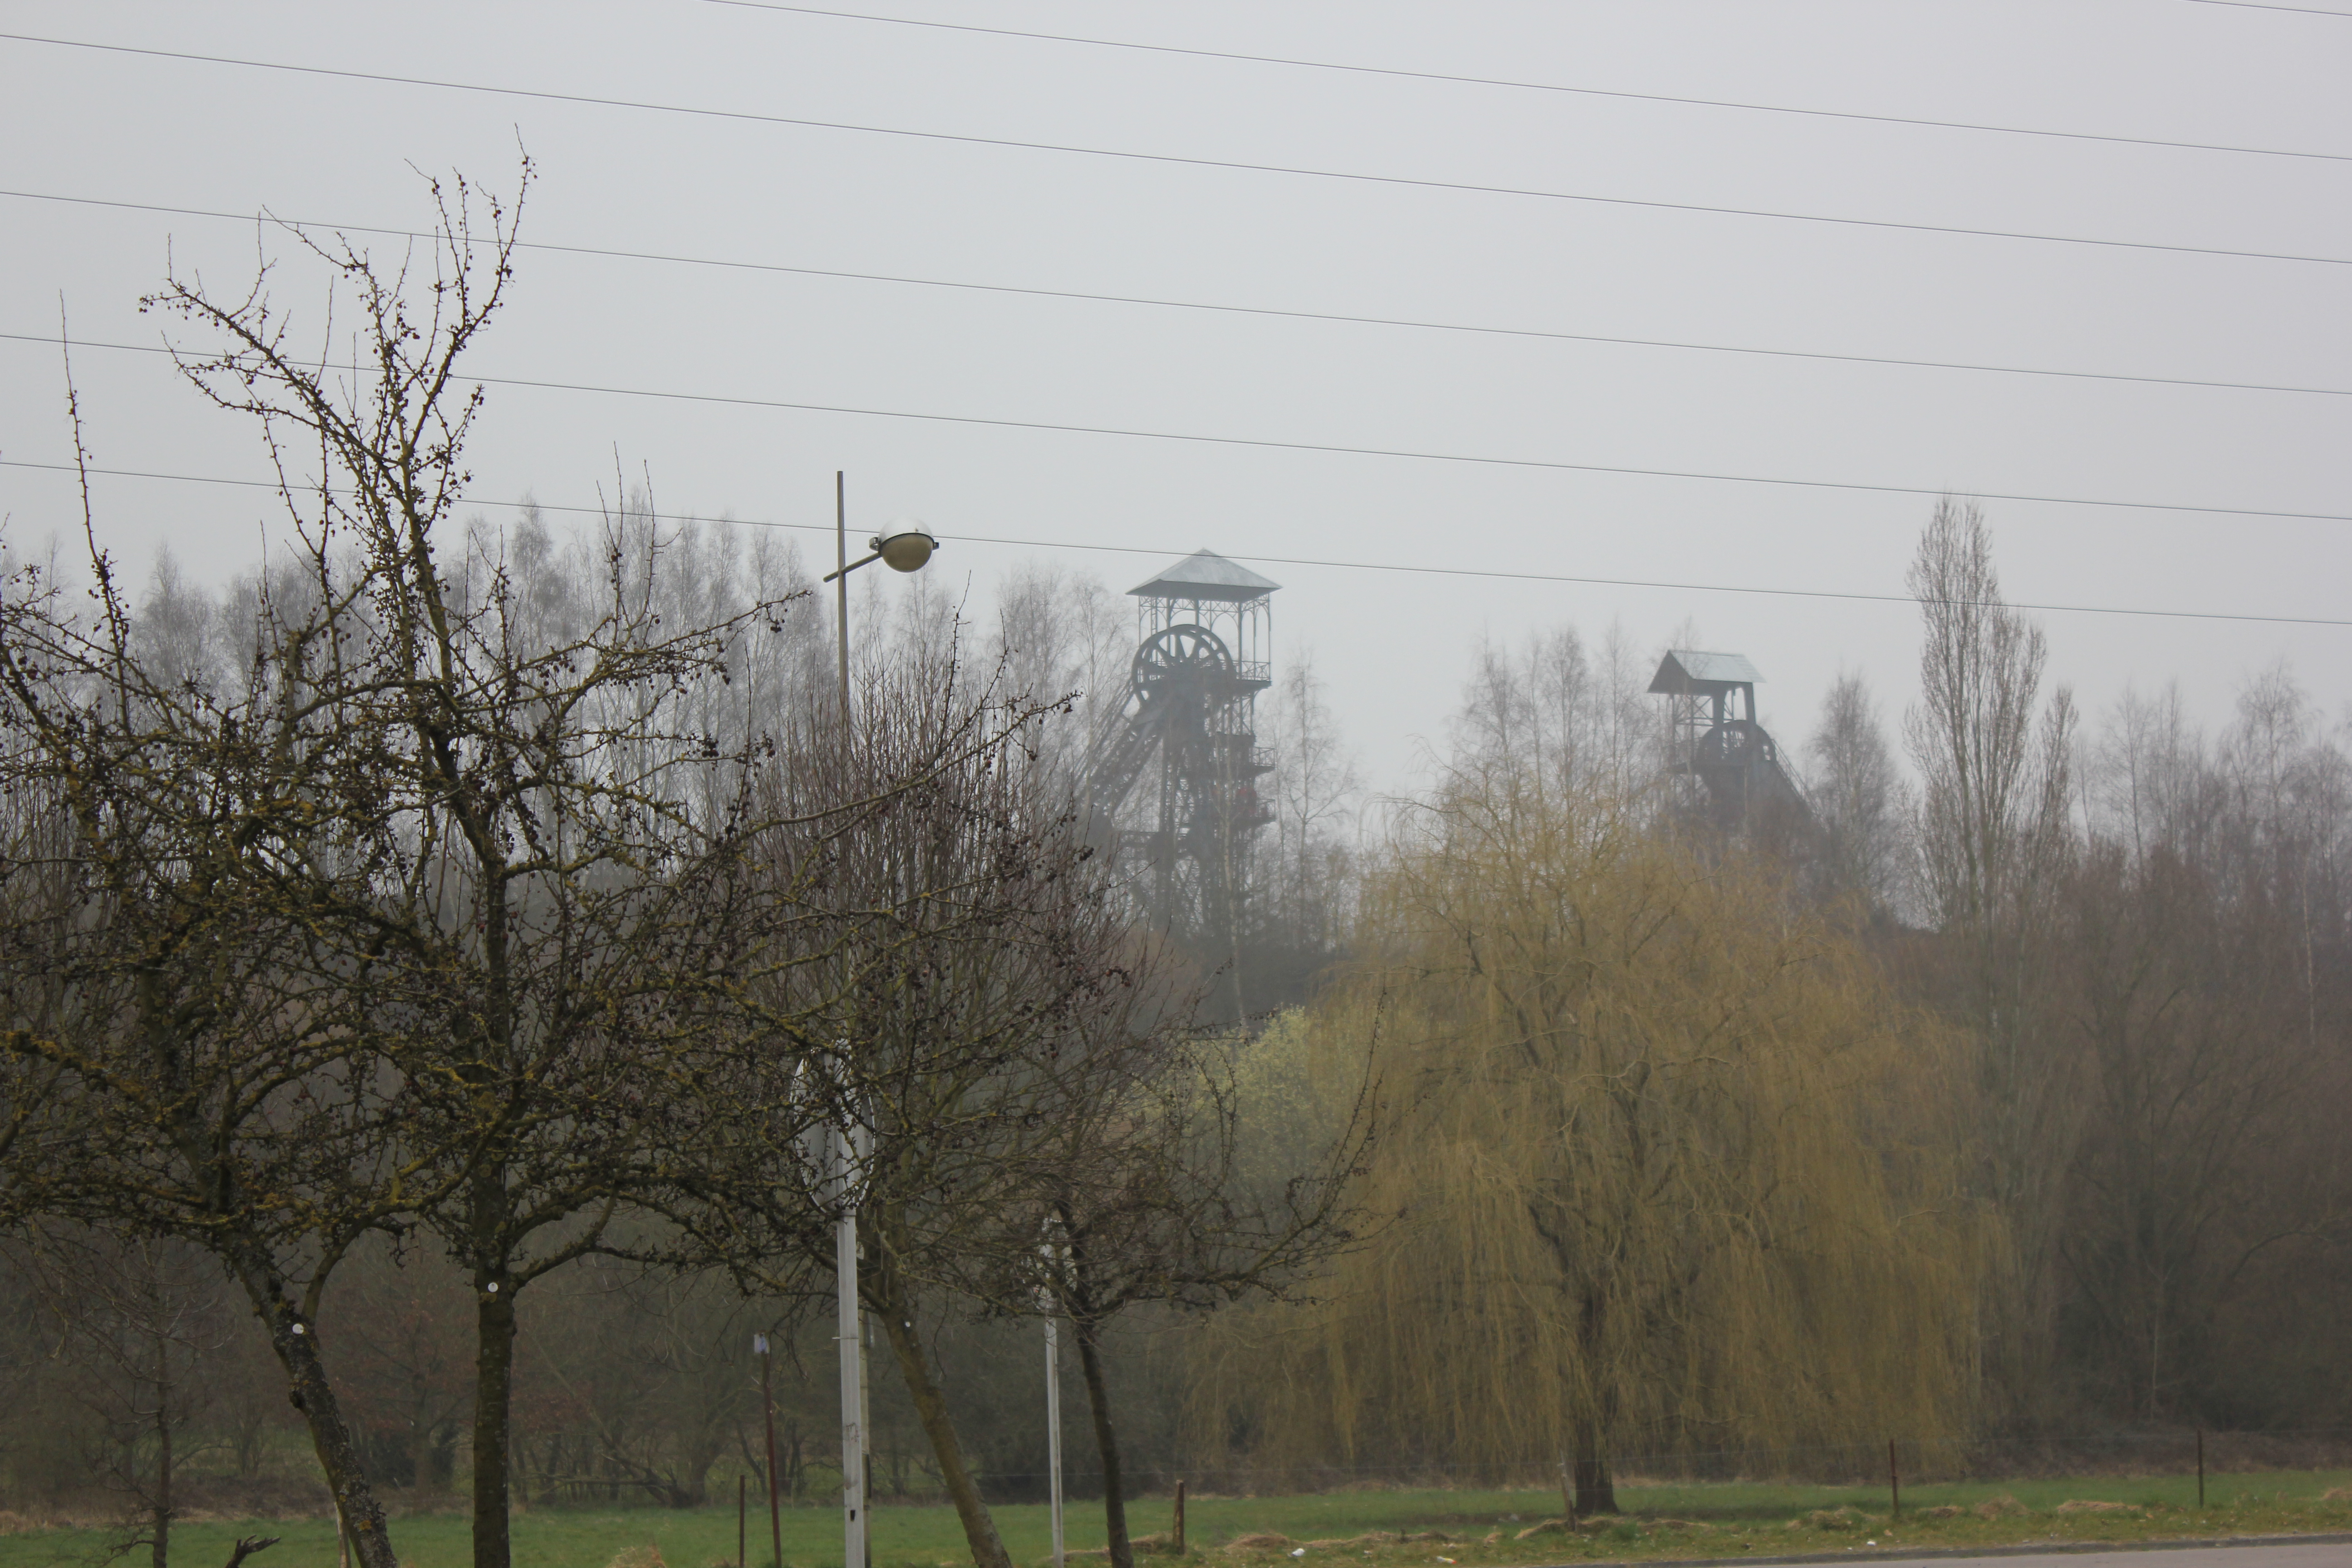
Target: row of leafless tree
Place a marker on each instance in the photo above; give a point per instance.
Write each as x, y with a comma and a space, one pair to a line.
2147, 932
441, 970
524, 905
2076, 999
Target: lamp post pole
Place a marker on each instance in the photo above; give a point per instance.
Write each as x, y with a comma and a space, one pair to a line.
768, 1407
904, 549
841, 585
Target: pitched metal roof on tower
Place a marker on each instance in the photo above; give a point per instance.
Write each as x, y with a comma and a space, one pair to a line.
1684, 668
1204, 574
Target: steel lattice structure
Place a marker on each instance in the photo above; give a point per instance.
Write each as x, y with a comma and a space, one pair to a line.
1173, 780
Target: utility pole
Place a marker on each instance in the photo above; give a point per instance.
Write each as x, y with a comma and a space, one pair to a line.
853, 1371
768, 1408
904, 548
841, 585
1053, 1428
850, 1324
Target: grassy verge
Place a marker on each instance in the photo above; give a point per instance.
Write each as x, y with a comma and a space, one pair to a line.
1485, 1529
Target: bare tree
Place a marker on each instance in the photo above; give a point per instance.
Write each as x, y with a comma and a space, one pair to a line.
512, 861
1061, 634
961, 930
2148, 783
560, 903
1857, 799
138, 1315
175, 1067
2187, 1006
1994, 835
1144, 1201
1575, 719
408, 1364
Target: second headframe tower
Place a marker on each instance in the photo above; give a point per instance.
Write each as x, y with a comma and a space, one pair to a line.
1715, 739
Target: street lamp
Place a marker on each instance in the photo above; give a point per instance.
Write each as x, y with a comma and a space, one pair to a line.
904, 546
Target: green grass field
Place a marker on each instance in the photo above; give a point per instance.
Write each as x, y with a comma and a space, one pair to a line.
1722, 1520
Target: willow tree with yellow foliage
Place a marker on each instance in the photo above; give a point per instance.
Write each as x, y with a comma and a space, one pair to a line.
1664, 1170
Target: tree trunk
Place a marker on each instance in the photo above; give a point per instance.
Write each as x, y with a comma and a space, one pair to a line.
1122, 1551
297, 1349
494, 1330
939, 1425
1595, 1492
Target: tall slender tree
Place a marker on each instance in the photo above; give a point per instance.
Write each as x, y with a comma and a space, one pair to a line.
1994, 834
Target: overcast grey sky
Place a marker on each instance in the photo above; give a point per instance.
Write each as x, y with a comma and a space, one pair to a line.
1395, 647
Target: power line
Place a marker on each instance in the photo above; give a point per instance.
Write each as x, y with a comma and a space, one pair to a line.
1179, 161
1210, 306
1266, 444
1556, 86
2260, 6
1159, 550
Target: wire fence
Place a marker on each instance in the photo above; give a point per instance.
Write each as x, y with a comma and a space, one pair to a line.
1895, 1460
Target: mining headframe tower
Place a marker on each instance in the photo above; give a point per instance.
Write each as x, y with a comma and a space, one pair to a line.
1173, 778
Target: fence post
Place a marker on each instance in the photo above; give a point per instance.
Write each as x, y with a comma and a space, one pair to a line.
1894, 1478
2200, 1467
1567, 1492
1180, 1519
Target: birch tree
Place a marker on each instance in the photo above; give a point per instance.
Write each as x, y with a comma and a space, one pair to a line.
1857, 799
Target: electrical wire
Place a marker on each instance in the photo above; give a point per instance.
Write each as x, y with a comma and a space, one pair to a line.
1396, 71
1489, 574
1267, 444
2260, 5
1211, 306
1179, 161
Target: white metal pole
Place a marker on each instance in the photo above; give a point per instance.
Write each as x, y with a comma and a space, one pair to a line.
850, 1325
853, 1379
1054, 1429
841, 590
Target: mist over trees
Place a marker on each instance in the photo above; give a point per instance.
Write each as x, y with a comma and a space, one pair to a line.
456, 977
2114, 944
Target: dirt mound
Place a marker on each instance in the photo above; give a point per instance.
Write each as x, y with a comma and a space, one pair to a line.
1259, 1540
1549, 1527
2001, 1507
2091, 1505
647, 1556
1846, 1518
1942, 1510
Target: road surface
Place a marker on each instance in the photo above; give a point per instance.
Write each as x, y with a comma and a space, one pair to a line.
2336, 1553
